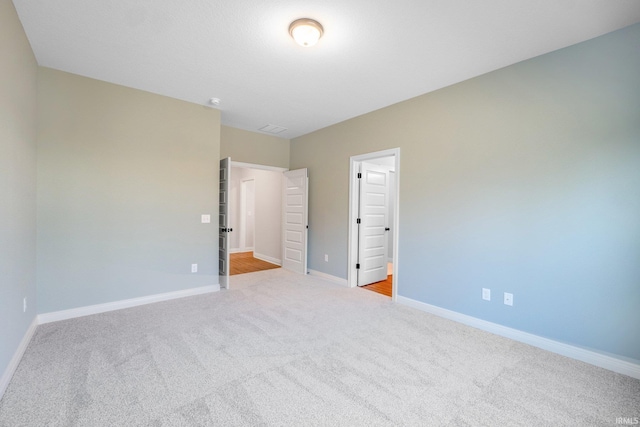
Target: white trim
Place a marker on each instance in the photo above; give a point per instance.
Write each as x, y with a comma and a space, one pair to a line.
235, 164
267, 258
354, 163
330, 278
86, 311
607, 362
17, 356
240, 250
118, 305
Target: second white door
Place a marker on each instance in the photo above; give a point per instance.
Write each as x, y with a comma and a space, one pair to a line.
295, 220
373, 227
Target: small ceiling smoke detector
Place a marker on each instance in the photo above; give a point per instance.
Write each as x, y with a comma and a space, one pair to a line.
306, 32
214, 101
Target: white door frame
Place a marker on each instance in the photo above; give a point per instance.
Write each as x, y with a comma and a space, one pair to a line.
354, 162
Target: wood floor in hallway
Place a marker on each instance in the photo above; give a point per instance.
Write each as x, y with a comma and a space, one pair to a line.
244, 262
384, 287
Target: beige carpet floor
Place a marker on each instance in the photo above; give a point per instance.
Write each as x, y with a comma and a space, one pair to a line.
286, 350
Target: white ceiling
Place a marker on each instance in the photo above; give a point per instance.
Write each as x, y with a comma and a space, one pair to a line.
374, 53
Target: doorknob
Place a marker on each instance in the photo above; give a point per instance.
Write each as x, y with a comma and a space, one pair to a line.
386, 229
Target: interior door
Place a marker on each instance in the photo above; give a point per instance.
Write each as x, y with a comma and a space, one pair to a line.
223, 222
373, 215
295, 220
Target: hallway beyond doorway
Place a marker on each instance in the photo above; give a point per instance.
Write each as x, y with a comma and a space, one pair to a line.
384, 287
244, 262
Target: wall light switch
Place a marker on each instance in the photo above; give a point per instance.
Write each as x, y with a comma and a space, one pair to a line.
24, 305
206, 219
194, 268
326, 258
486, 294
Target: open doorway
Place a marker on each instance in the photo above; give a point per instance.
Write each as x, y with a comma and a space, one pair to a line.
280, 240
373, 221
255, 200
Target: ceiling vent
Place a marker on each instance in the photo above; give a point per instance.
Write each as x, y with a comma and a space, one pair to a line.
273, 129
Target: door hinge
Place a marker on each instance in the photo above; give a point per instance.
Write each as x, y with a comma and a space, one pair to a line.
359, 175
358, 221
357, 266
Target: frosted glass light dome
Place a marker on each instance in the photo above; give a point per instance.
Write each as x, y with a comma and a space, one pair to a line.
306, 32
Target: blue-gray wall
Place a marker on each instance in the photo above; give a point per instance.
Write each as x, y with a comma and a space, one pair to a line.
524, 180
123, 177
18, 85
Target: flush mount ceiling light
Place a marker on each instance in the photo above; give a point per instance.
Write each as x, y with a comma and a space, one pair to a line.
306, 32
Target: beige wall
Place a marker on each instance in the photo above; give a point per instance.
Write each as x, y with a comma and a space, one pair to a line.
524, 180
252, 147
123, 177
18, 97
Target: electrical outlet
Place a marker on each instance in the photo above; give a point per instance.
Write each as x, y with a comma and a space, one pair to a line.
194, 268
508, 298
486, 294
205, 219
24, 305
326, 258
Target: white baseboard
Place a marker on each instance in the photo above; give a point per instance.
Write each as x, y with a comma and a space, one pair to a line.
17, 356
118, 305
607, 362
330, 278
267, 259
86, 311
240, 250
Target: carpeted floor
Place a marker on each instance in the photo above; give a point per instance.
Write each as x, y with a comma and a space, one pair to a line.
283, 349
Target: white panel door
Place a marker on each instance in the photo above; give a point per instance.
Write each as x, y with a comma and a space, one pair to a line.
223, 222
295, 220
374, 212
